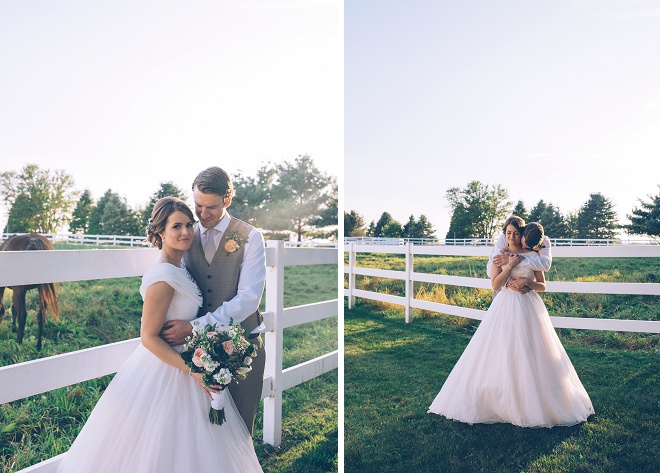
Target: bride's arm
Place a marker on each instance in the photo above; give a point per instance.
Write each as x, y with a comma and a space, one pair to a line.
156, 302
499, 275
538, 283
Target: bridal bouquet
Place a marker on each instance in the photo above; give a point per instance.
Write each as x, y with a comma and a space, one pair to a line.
221, 353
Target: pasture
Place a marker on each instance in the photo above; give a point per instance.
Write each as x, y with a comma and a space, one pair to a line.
94, 313
393, 372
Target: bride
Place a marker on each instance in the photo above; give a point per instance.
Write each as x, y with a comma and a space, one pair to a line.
515, 369
153, 416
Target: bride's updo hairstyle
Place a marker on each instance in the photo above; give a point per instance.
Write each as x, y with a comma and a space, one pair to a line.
533, 234
516, 221
163, 208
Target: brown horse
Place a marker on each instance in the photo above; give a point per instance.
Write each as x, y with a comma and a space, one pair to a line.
47, 293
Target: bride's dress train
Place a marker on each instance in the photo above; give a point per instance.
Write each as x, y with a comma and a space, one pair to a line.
514, 369
154, 418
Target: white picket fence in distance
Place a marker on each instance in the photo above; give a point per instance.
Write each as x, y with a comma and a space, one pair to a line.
46, 374
409, 276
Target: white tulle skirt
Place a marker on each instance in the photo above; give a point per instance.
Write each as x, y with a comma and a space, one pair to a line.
514, 370
154, 418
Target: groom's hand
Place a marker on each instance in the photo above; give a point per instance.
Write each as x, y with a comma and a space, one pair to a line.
175, 332
518, 285
500, 260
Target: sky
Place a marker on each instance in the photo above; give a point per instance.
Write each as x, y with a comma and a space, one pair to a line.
126, 94
551, 100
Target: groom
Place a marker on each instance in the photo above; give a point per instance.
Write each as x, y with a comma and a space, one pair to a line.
227, 260
540, 261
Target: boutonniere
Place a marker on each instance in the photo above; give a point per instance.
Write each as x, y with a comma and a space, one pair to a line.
234, 242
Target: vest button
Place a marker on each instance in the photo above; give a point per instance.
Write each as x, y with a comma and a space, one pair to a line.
209, 290
209, 305
208, 276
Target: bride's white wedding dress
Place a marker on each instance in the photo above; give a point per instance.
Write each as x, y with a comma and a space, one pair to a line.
153, 417
514, 369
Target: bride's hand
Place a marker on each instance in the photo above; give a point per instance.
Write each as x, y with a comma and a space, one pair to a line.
198, 377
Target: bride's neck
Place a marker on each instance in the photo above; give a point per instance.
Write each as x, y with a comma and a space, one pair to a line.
171, 256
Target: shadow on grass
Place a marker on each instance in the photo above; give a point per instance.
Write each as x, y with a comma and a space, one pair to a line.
393, 372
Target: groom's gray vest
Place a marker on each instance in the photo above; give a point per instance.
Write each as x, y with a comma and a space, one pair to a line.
219, 280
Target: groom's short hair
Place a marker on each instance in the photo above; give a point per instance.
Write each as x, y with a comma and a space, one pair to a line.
214, 180
533, 234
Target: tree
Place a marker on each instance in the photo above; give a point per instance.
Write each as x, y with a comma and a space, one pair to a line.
597, 219
253, 196
645, 219
553, 222
47, 195
80, 221
166, 189
23, 215
420, 228
520, 211
299, 195
477, 211
113, 216
423, 228
384, 219
328, 215
353, 224
371, 229
393, 229
409, 228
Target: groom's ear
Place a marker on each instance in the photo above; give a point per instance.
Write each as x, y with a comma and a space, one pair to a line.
227, 201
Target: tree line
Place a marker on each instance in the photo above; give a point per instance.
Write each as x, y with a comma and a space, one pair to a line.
283, 198
479, 210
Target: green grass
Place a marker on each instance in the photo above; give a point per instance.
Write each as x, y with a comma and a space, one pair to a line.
393, 371
98, 312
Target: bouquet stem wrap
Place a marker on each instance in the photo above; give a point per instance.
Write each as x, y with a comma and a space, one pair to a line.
217, 411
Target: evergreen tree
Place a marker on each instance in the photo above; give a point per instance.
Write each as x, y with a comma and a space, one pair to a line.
371, 229
409, 229
353, 224
536, 213
520, 211
423, 228
549, 216
166, 189
597, 219
384, 219
645, 219
80, 221
113, 216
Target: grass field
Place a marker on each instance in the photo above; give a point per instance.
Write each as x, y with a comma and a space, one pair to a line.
393, 371
98, 312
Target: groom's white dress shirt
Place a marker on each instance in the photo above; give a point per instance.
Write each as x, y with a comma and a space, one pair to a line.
538, 262
251, 280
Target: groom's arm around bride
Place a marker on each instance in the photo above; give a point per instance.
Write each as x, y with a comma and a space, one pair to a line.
227, 260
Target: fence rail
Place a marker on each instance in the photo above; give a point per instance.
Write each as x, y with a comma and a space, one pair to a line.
491, 241
410, 276
34, 377
140, 241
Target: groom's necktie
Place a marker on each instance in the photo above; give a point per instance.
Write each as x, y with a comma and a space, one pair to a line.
209, 246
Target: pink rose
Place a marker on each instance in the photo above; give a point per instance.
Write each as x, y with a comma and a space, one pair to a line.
197, 357
228, 346
210, 335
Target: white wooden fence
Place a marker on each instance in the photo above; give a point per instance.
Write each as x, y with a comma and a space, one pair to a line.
34, 377
139, 241
409, 276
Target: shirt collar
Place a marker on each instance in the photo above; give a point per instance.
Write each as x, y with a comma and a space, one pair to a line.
221, 226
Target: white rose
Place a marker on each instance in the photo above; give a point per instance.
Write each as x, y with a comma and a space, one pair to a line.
223, 376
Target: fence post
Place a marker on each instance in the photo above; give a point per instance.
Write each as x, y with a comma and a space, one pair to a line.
275, 304
408, 282
351, 274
